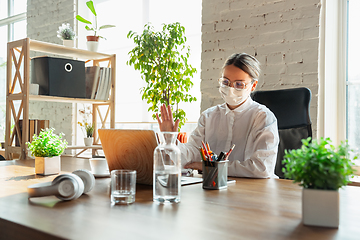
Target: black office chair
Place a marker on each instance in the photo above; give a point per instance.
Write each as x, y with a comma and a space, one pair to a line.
291, 108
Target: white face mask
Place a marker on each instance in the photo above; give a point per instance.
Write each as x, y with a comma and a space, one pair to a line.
234, 97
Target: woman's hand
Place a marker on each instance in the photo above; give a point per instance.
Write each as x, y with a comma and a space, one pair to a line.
166, 123
194, 165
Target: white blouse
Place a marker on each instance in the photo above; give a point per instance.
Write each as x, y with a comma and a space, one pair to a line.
252, 127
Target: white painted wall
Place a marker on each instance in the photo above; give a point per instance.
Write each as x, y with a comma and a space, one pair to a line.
282, 34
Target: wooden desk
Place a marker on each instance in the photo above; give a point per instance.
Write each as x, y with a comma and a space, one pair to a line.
248, 209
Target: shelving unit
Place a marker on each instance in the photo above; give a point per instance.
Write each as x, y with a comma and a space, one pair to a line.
18, 57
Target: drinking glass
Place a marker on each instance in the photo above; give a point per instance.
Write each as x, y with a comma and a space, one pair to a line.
123, 186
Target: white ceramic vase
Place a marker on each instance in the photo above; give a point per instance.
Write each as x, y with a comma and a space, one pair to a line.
47, 165
320, 207
88, 141
92, 45
68, 43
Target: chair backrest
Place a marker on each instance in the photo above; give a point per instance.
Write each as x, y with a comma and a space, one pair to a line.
291, 108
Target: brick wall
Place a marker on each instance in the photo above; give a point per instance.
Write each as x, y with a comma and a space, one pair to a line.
43, 21
282, 34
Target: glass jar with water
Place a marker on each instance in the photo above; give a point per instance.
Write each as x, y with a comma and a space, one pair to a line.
167, 169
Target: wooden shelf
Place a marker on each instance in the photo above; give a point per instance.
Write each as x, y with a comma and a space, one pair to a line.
66, 100
18, 74
51, 48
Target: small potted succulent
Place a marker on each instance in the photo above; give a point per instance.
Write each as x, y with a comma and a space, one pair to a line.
86, 126
47, 148
321, 169
89, 131
92, 40
67, 34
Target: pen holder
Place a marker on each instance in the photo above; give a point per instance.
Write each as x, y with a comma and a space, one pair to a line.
215, 174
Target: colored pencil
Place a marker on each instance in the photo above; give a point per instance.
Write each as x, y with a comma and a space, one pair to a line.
228, 153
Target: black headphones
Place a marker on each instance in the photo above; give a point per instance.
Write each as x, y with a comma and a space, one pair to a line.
66, 186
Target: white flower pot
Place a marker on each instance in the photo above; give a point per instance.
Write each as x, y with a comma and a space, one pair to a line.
92, 45
320, 207
47, 165
88, 141
68, 43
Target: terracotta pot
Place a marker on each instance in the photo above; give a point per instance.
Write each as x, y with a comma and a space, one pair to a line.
92, 43
92, 38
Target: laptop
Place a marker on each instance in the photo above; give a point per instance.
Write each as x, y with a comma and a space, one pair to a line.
133, 149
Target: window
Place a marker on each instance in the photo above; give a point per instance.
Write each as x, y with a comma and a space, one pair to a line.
353, 75
133, 15
12, 27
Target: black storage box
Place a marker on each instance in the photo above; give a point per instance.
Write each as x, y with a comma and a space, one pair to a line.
58, 76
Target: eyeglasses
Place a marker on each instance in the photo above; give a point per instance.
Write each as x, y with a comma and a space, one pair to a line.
238, 85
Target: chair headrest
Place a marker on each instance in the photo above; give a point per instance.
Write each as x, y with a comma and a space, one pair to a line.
290, 106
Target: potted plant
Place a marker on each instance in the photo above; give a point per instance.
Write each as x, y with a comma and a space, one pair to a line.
321, 169
89, 131
88, 128
162, 59
92, 40
47, 148
67, 34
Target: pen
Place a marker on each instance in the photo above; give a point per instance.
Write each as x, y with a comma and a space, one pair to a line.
205, 151
228, 153
221, 156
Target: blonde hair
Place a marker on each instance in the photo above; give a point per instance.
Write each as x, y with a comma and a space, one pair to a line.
245, 62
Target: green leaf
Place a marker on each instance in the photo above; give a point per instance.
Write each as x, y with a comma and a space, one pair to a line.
319, 165
47, 144
88, 28
90, 5
106, 26
81, 19
162, 59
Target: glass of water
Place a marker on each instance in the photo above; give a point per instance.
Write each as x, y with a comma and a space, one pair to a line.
123, 186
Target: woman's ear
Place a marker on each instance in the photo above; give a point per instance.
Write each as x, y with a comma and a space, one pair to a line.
254, 85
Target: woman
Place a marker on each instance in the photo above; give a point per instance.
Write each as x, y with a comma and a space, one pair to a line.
241, 121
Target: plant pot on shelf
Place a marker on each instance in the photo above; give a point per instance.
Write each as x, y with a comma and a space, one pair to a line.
320, 207
47, 165
88, 141
68, 43
92, 43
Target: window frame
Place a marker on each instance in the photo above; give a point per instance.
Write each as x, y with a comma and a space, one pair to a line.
11, 19
332, 111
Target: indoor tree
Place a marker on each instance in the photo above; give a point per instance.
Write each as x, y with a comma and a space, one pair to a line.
162, 58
